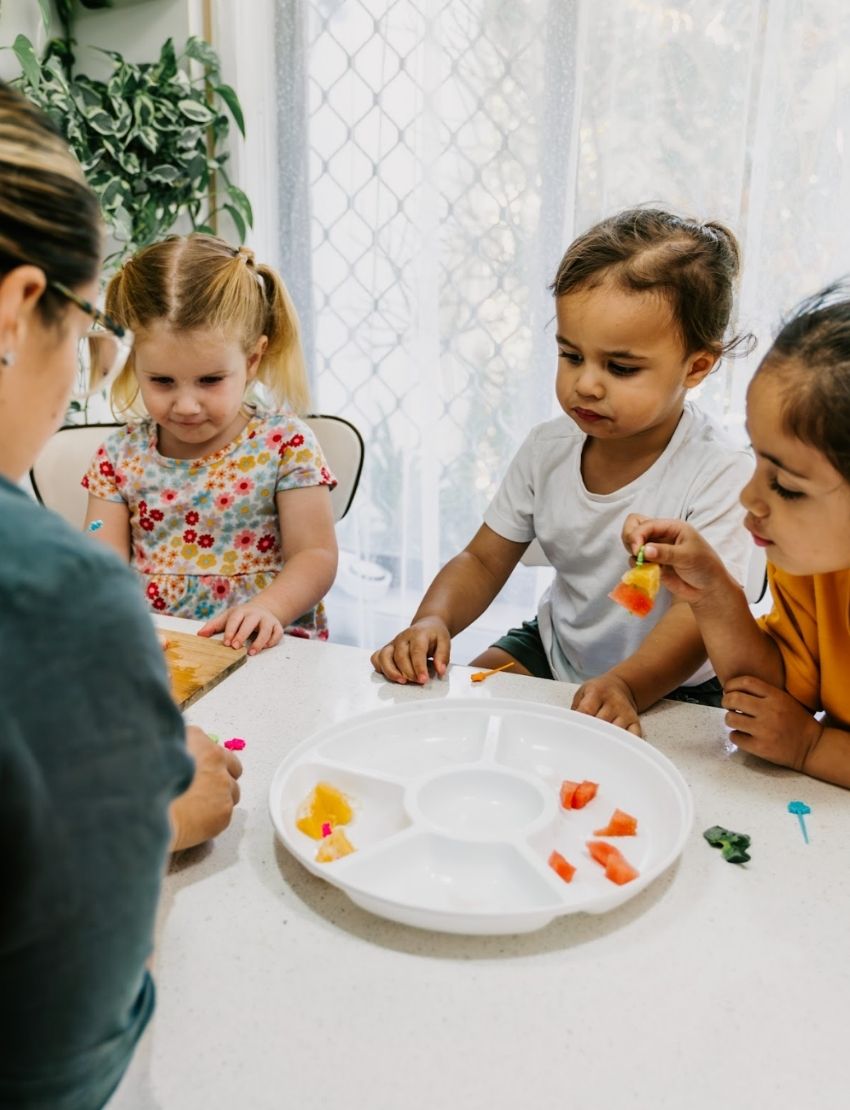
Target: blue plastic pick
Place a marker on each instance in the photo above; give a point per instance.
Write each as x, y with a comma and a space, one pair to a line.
95, 525
800, 809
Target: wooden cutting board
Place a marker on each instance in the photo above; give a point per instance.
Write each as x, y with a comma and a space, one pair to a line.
196, 664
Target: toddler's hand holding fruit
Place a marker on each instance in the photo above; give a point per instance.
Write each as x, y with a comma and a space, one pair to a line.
690, 567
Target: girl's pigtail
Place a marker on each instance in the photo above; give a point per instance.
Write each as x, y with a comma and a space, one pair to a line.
283, 369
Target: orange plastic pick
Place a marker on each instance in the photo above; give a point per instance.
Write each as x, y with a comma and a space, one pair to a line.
479, 676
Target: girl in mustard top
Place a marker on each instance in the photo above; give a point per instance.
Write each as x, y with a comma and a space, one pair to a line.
779, 671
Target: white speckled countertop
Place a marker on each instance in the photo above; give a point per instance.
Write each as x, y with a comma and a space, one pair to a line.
717, 986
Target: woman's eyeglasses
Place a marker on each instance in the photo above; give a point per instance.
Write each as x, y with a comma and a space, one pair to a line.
103, 350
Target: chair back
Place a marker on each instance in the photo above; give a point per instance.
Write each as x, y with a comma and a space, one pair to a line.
65, 458
58, 470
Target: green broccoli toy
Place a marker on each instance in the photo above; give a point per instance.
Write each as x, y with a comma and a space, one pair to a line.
734, 844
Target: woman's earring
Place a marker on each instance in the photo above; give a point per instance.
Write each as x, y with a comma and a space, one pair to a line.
7, 358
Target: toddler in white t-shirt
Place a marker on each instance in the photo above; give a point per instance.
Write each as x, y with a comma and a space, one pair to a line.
643, 301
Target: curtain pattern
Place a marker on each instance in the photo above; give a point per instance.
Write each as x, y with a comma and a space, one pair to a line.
436, 158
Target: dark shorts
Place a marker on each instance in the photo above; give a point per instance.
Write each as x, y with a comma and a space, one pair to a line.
525, 645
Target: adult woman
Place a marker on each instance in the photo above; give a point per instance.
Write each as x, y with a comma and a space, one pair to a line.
93, 753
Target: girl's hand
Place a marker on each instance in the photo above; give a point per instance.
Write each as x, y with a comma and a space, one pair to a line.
240, 622
609, 698
690, 567
405, 658
768, 722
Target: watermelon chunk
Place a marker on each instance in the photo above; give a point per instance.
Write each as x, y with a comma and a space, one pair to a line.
617, 867
585, 792
637, 589
561, 866
619, 824
567, 793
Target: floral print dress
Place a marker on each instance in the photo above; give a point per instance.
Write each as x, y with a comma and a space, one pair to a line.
204, 532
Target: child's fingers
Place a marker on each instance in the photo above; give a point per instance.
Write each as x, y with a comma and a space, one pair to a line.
747, 684
419, 659
665, 553
215, 624
383, 660
403, 658
442, 653
587, 701
264, 634
239, 627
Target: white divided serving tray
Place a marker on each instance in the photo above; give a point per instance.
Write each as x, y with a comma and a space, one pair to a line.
456, 810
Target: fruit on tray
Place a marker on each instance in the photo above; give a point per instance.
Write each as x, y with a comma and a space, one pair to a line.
561, 866
576, 795
334, 846
325, 806
637, 588
619, 824
617, 867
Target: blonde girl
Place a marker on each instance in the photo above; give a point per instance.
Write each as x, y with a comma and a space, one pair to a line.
219, 500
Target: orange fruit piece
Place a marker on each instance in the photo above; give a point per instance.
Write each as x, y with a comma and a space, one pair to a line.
561, 866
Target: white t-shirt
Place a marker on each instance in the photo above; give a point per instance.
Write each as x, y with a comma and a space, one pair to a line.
697, 478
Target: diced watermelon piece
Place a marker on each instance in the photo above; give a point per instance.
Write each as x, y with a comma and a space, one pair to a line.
632, 598
617, 867
568, 790
561, 866
585, 792
600, 851
619, 824
619, 870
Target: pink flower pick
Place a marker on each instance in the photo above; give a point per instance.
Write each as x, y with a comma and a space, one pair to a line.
234, 745
326, 828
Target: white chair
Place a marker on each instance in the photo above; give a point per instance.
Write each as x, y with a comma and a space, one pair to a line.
754, 586
66, 456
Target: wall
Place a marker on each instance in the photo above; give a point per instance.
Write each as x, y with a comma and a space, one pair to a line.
137, 28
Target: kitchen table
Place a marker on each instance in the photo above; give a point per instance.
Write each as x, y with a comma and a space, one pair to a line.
717, 986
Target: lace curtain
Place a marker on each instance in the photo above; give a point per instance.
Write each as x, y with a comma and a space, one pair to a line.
431, 160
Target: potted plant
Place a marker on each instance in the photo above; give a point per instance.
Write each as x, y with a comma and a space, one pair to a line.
150, 137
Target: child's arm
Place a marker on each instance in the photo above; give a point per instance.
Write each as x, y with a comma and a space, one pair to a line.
670, 653
114, 530
310, 557
458, 595
692, 570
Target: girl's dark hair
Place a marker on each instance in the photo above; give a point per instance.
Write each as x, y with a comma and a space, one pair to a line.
812, 354
49, 217
693, 265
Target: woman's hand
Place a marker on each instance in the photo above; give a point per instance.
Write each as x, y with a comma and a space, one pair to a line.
690, 567
609, 698
205, 809
240, 622
405, 658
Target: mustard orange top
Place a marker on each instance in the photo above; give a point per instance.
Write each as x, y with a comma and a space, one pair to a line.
810, 622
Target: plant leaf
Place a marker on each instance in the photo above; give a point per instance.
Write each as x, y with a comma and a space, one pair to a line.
164, 174
236, 216
44, 6
195, 110
242, 203
228, 95
201, 51
26, 55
